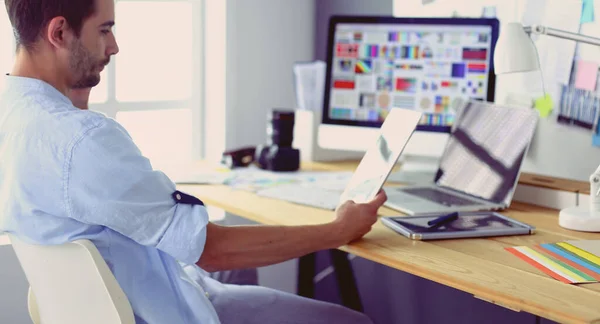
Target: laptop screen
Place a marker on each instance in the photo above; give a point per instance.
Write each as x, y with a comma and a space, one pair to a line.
486, 149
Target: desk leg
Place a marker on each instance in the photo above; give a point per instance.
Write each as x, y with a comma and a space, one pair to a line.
538, 320
345, 280
306, 273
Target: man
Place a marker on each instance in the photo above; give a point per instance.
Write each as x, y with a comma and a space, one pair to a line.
69, 173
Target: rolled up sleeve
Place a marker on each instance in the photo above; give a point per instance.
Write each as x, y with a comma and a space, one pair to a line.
108, 182
184, 239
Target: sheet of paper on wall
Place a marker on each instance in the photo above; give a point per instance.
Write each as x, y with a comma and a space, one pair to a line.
588, 52
556, 55
489, 12
586, 75
533, 13
309, 84
587, 12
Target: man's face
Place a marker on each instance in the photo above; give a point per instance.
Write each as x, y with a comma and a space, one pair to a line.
91, 52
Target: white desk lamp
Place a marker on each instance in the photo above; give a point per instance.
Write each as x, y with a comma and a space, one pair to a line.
515, 52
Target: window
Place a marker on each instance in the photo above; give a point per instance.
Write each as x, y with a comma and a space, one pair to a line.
7, 44
152, 87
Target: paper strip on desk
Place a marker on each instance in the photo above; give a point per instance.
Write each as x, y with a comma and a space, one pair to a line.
580, 264
551, 266
580, 253
590, 246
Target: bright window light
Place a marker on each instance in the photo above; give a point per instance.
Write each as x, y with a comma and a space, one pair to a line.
155, 58
7, 48
163, 136
99, 93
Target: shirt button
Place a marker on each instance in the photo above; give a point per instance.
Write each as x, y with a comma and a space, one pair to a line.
178, 196
207, 295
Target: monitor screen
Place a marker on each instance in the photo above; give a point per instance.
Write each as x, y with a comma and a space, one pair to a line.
485, 152
426, 64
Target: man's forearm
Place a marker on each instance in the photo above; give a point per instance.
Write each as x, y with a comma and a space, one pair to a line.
254, 246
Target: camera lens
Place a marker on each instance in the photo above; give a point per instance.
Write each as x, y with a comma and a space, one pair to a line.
280, 128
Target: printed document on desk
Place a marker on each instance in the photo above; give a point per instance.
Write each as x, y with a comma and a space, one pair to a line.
255, 179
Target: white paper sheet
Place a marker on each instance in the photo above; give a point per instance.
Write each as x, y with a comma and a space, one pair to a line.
556, 55
587, 52
310, 85
252, 179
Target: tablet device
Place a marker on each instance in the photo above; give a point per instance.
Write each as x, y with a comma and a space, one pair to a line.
476, 224
379, 160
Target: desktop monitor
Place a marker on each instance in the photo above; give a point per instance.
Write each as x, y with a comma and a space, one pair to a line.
375, 64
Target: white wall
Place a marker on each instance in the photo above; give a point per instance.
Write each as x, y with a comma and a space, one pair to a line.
326, 8
268, 36
263, 39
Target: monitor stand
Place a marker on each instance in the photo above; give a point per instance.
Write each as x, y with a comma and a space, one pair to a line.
415, 170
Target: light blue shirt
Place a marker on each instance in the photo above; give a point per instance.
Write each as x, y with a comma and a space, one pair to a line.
68, 174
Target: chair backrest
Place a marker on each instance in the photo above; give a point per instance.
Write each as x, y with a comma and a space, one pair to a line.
71, 283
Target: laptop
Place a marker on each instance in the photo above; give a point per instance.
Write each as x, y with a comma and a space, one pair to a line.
480, 166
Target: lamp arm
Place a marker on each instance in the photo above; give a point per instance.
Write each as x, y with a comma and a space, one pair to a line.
542, 30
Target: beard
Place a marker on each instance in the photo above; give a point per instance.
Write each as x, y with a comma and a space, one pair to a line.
83, 66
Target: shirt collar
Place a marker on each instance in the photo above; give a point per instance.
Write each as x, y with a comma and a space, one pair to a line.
15, 84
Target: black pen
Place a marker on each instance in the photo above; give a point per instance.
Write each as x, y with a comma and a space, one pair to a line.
443, 219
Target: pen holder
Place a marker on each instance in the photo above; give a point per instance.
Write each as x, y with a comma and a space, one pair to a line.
306, 134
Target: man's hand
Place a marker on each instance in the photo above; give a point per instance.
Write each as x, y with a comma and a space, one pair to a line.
355, 220
80, 97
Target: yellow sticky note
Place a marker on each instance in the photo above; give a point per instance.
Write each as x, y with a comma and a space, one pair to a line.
544, 105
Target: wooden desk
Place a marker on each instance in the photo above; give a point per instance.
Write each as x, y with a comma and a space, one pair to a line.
478, 266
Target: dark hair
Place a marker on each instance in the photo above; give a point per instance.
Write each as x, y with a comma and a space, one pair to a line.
29, 18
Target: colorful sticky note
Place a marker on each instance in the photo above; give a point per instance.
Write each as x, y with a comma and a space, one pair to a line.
587, 12
586, 74
544, 105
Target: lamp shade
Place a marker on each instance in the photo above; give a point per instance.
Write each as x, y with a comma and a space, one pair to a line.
515, 51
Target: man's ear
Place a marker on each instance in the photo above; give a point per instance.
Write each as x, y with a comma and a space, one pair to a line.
58, 32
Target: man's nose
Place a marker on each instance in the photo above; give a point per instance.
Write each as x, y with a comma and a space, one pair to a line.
113, 49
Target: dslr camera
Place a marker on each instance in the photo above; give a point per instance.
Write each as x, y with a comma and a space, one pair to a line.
278, 154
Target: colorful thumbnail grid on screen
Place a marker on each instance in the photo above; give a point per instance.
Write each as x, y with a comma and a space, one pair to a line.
428, 68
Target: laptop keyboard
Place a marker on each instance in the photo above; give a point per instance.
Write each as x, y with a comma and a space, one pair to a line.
439, 197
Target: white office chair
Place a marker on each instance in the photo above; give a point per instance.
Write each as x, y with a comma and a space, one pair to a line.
71, 284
